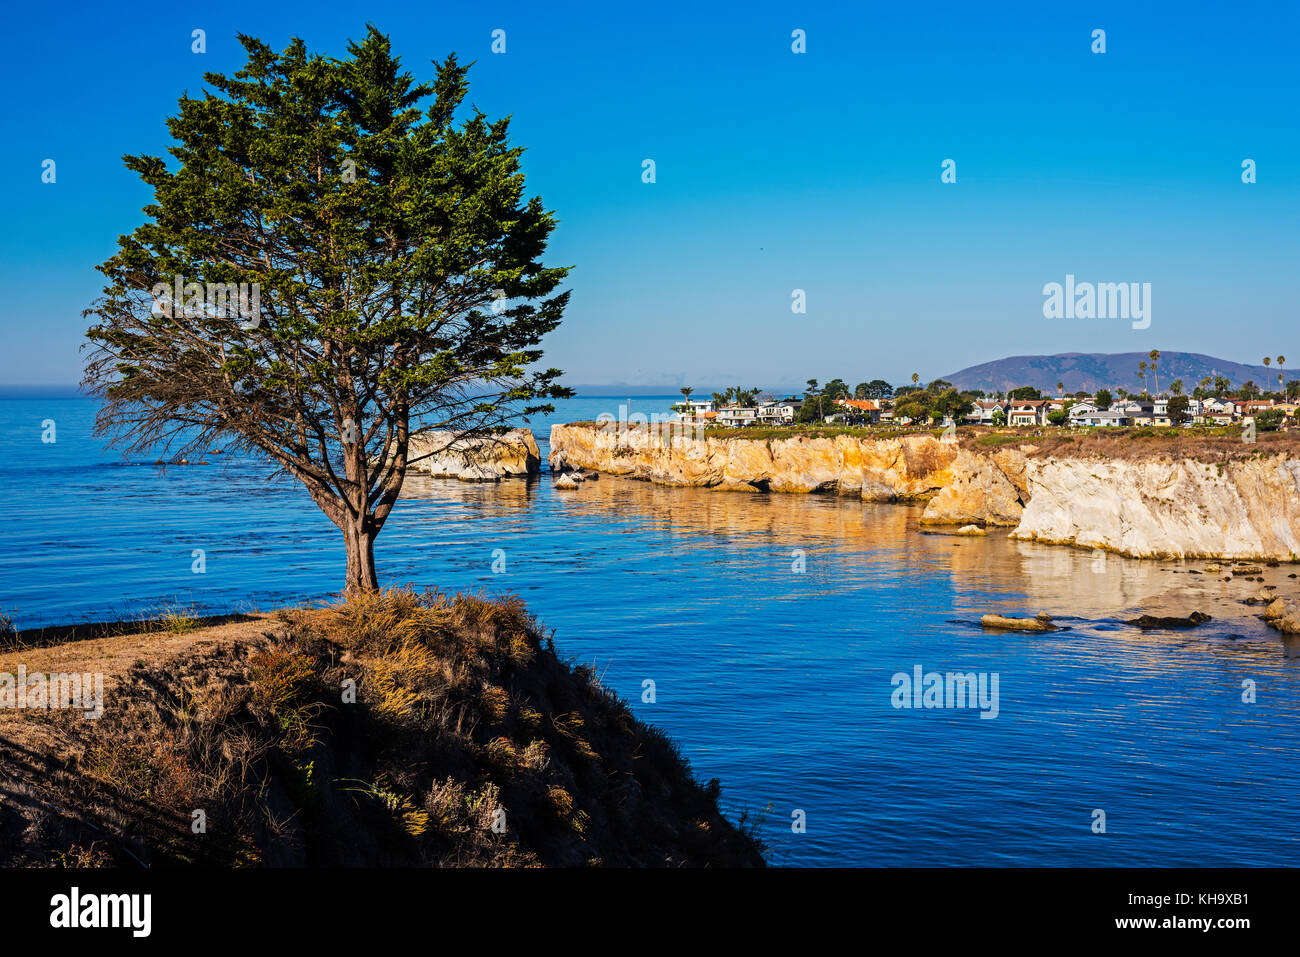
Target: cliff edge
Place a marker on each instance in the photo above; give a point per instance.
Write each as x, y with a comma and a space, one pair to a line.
1134, 495
391, 730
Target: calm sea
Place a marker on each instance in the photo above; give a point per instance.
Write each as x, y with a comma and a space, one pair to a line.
775, 680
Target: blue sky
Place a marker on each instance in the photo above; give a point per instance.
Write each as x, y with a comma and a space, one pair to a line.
775, 171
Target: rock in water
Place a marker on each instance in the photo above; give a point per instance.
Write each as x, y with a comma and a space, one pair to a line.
1042, 622
1155, 621
566, 482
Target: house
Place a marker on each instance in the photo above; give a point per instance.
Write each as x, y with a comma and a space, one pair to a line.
1254, 406
700, 406
1027, 412
737, 415
1087, 414
1218, 411
860, 409
1146, 412
1080, 411
983, 412
779, 412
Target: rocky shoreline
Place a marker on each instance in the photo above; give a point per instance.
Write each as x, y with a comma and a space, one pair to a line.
487, 458
1232, 507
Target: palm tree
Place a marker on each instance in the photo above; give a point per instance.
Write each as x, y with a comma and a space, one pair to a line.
1280, 361
1142, 376
1155, 357
1060, 387
916, 378
686, 398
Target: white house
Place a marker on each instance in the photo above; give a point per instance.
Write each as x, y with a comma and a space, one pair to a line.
1027, 412
982, 413
1087, 414
781, 411
737, 415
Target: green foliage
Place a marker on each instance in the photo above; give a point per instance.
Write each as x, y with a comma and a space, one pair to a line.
923, 404
835, 389
1268, 420
1103, 399
1025, 392
876, 389
735, 395
1177, 409
391, 266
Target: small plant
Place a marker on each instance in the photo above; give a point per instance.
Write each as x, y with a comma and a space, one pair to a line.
77, 857
281, 682
8, 633
413, 820
177, 621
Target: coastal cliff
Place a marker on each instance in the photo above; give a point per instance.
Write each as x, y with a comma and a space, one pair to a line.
487, 458
1170, 501
1247, 509
958, 485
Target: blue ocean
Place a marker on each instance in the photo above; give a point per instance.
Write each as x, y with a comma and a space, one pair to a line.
773, 628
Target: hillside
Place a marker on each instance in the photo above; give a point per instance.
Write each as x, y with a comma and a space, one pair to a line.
467, 743
1089, 371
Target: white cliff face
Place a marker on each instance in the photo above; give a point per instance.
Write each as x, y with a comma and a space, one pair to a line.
1182, 509
487, 458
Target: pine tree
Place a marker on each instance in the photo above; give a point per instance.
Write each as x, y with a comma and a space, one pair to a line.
389, 271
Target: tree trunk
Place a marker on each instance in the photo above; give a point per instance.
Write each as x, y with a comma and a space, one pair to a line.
359, 536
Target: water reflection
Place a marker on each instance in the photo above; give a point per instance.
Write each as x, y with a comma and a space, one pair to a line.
869, 543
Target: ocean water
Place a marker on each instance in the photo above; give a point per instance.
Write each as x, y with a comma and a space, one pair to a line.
772, 627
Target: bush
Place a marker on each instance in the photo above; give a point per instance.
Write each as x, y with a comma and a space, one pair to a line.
1269, 420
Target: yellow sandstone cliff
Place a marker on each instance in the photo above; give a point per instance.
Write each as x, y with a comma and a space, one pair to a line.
1157, 506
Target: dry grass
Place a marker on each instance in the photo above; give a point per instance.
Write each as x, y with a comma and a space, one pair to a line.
1198, 444
394, 729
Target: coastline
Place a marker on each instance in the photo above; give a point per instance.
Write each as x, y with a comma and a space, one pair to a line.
1185, 499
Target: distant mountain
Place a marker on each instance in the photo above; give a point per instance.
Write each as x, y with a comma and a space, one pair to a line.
1089, 371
